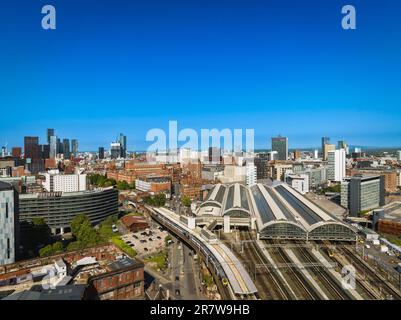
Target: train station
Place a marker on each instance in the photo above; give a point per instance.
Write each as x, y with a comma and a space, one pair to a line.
277, 211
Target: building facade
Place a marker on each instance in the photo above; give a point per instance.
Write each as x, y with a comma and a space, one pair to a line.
59, 209
9, 223
360, 193
280, 144
336, 165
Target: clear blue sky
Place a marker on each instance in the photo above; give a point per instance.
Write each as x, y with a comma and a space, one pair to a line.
277, 66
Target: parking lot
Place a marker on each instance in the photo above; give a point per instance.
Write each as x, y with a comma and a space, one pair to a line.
146, 242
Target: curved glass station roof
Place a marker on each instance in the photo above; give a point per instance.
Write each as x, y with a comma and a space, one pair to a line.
278, 209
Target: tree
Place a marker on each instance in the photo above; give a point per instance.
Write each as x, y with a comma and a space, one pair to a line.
57, 247
77, 223
186, 201
46, 251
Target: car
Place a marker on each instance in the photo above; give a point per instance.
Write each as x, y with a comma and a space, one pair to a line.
136, 237
142, 241
158, 237
146, 249
132, 245
177, 292
177, 278
150, 239
128, 242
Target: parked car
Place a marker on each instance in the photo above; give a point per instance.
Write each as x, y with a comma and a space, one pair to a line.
146, 249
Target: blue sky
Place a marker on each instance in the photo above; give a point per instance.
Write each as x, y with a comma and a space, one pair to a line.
277, 66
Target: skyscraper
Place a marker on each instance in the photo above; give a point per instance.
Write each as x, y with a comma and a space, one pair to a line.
66, 148
32, 149
74, 147
50, 132
336, 165
123, 145
115, 150
101, 153
327, 148
280, 144
325, 140
53, 147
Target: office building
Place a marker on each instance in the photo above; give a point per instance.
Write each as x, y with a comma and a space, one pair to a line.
53, 147
59, 208
101, 153
399, 155
336, 165
280, 145
50, 132
9, 223
115, 150
360, 193
325, 140
60, 147
326, 149
262, 171
66, 148
55, 182
123, 145
31, 148
74, 147
45, 151
297, 154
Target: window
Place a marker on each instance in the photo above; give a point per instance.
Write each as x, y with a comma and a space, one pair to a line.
6, 210
8, 248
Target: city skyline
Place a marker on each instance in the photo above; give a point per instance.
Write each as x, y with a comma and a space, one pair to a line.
152, 63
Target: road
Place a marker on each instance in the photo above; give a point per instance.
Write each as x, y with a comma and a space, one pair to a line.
184, 273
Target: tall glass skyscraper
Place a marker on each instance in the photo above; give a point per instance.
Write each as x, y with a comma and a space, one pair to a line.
280, 144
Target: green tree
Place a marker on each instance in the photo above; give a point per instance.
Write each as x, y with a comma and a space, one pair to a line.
46, 251
186, 201
77, 223
57, 247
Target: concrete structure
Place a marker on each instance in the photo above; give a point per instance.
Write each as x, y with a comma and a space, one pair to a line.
58, 209
250, 174
153, 184
74, 147
9, 223
299, 182
280, 144
360, 193
53, 147
336, 165
56, 182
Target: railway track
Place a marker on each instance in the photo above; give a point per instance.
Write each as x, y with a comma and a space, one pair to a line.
304, 288
362, 267
332, 286
272, 287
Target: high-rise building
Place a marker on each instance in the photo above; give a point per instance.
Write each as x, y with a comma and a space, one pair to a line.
250, 174
54, 182
325, 140
360, 193
115, 150
261, 163
327, 148
60, 147
280, 144
74, 147
123, 145
9, 223
399, 155
16, 152
50, 132
336, 165
32, 149
53, 147
101, 153
45, 151
66, 148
